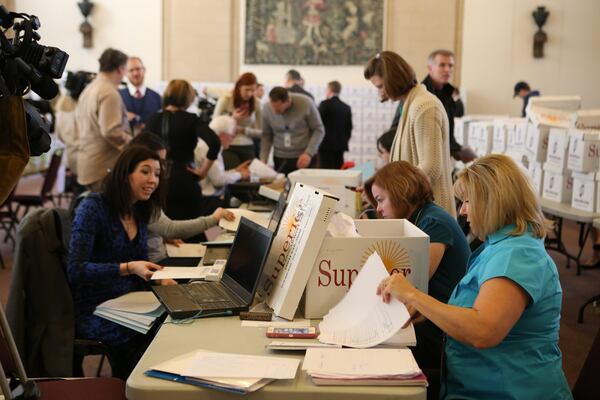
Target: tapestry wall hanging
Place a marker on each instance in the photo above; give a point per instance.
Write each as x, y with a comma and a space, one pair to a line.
313, 32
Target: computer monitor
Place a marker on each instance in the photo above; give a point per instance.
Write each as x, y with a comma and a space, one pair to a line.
277, 213
248, 256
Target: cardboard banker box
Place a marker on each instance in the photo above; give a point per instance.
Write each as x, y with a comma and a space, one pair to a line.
294, 249
403, 247
336, 182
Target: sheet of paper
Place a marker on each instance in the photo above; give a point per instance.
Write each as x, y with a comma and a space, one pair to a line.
277, 322
239, 213
299, 345
134, 302
137, 318
403, 338
181, 273
141, 328
226, 365
179, 364
361, 362
361, 319
262, 170
186, 250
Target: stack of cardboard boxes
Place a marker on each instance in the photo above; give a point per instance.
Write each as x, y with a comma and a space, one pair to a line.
558, 145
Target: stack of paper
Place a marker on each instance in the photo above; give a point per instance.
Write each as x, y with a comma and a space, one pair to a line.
361, 319
237, 373
135, 310
238, 213
393, 367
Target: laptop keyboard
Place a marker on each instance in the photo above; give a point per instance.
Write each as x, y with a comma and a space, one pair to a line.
209, 297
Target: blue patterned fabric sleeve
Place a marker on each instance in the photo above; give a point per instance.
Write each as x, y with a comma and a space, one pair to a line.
91, 218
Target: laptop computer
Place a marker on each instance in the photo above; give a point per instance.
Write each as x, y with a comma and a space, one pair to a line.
235, 292
220, 251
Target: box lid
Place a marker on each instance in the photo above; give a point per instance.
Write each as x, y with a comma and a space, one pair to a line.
565, 103
550, 117
585, 134
556, 169
346, 177
588, 119
585, 176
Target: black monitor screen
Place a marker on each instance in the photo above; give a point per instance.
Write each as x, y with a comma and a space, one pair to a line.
248, 254
277, 213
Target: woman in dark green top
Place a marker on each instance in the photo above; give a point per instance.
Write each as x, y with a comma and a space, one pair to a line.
401, 190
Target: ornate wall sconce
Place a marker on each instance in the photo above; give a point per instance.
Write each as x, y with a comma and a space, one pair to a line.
540, 15
85, 28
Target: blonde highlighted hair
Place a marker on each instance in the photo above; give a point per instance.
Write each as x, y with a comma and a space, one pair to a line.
499, 194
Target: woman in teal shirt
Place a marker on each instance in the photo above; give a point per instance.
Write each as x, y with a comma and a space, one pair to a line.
401, 190
502, 320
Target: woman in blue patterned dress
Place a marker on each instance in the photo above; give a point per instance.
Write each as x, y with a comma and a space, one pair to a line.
503, 317
108, 252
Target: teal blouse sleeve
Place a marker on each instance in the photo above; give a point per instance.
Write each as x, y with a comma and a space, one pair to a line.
524, 266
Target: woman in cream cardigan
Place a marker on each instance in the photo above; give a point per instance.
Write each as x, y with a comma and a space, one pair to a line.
241, 104
422, 135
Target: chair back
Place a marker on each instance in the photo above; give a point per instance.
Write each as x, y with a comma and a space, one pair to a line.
51, 174
40, 307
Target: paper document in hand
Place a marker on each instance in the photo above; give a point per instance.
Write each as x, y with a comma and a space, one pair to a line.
361, 319
361, 362
186, 250
239, 213
262, 170
133, 302
227, 365
181, 273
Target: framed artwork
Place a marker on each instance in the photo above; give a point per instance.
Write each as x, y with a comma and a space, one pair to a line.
313, 32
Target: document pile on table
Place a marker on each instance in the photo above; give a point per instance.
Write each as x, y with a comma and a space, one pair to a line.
135, 310
386, 367
361, 319
236, 373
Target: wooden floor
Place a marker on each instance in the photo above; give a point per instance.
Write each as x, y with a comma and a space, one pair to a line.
575, 338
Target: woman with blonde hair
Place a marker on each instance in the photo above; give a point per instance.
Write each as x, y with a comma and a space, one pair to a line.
180, 131
401, 190
422, 137
502, 319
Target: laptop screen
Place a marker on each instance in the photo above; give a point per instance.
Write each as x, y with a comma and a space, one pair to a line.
277, 213
248, 254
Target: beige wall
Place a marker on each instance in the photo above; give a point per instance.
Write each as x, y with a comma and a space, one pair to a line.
9, 4
199, 40
133, 26
497, 52
207, 34
417, 27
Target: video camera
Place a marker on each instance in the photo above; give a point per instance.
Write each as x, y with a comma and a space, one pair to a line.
206, 107
27, 65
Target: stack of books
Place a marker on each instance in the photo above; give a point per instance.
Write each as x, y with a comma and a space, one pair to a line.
236, 373
135, 310
385, 367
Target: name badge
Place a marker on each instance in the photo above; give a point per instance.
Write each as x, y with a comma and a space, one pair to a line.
287, 139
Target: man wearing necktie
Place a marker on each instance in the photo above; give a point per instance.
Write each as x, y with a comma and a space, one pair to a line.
140, 101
